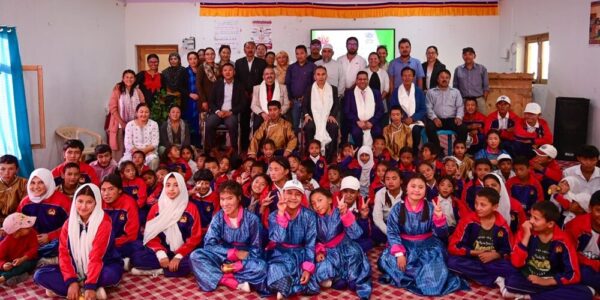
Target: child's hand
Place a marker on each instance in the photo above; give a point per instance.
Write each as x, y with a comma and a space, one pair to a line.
488, 256
553, 189
305, 277
401, 262
43, 239
534, 279
527, 227
320, 257
73, 291
241, 254
342, 206
18, 261
164, 263
437, 210
364, 210
281, 205
227, 268
267, 201
7, 266
90, 295
174, 264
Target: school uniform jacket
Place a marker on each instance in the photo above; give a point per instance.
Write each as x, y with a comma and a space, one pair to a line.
563, 258
552, 171
51, 213
102, 253
527, 193
491, 122
580, 231
180, 163
320, 172
189, 225
123, 213
207, 206
476, 118
87, 173
542, 135
470, 189
137, 190
466, 233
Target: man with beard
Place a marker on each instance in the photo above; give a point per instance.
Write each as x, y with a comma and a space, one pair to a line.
405, 60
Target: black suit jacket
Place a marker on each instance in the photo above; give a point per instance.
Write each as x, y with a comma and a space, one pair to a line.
238, 99
249, 78
307, 109
437, 67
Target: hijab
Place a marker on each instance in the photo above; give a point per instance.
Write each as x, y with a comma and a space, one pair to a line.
46, 177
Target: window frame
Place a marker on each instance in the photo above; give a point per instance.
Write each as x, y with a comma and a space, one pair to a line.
539, 39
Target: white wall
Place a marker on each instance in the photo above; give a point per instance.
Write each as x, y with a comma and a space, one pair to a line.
175, 21
80, 45
574, 63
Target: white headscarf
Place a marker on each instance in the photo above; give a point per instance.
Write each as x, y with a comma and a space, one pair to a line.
583, 199
572, 181
170, 211
262, 95
81, 241
320, 109
365, 110
365, 173
46, 177
504, 204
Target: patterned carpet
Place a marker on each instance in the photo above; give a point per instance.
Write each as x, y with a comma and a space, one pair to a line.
144, 287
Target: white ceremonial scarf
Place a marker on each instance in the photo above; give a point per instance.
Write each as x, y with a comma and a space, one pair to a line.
504, 204
81, 241
321, 106
262, 95
365, 111
170, 212
46, 177
365, 171
408, 103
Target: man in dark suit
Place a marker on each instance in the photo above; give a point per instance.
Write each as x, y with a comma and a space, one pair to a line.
324, 115
226, 102
248, 72
363, 110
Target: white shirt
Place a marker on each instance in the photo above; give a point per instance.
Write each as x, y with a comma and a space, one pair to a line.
503, 122
227, 96
351, 68
384, 79
335, 74
592, 246
382, 211
250, 63
530, 128
583, 186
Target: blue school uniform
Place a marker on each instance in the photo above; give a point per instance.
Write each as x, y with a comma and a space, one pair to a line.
426, 272
221, 243
123, 214
344, 261
431, 191
469, 236
469, 192
294, 252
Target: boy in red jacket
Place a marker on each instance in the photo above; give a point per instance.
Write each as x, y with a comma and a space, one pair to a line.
72, 150
18, 250
531, 132
584, 232
544, 166
546, 259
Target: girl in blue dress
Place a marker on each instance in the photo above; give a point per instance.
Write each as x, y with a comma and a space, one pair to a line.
232, 255
415, 256
341, 261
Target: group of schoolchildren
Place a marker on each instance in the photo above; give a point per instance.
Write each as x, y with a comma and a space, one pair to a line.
289, 225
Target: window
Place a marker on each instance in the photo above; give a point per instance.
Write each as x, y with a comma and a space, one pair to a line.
537, 56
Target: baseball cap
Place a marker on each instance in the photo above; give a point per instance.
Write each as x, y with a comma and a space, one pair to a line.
546, 150
504, 156
533, 108
293, 184
350, 182
503, 98
16, 221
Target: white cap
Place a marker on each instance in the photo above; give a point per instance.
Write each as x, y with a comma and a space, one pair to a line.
546, 150
454, 158
504, 156
350, 182
503, 98
327, 46
293, 184
533, 108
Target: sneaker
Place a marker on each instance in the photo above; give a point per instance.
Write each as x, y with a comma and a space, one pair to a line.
51, 294
126, 264
245, 286
154, 273
16, 279
500, 282
47, 261
326, 283
100, 293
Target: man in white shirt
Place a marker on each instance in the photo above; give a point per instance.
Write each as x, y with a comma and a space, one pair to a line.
351, 62
335, 73
586, 173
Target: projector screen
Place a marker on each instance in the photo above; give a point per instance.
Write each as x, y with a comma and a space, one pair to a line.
368, 40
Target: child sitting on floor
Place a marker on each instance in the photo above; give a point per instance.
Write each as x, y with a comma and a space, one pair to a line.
505, 168
314, 154
386, 198
133, 185
72, 151
466, 162
428, 173
70, 180
377, 183
453, 208
492, 148
205, 198
407, 163
429, 154
18, 249
304, 174
451, 168
482, 168
524, 187
13, 187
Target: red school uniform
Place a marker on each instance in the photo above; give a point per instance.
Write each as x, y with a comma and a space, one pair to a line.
552, 171
51, 213
136, 188
527, 192
190, 228
542, 135
492, 122
87, 173
12, 248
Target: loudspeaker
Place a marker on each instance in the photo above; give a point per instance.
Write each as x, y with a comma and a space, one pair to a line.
570, 125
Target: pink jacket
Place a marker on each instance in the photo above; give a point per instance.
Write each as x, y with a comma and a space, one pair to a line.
113, 108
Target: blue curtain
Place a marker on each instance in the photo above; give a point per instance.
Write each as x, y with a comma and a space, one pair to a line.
14, 126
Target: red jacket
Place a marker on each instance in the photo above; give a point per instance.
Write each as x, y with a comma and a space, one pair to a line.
375, 186
51, 213
191, 233
551, 171
467, 231
12, 248
125, 220
491, 122
542, 135
580, 232
563, 260
100, 246
87, 172
137, 190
